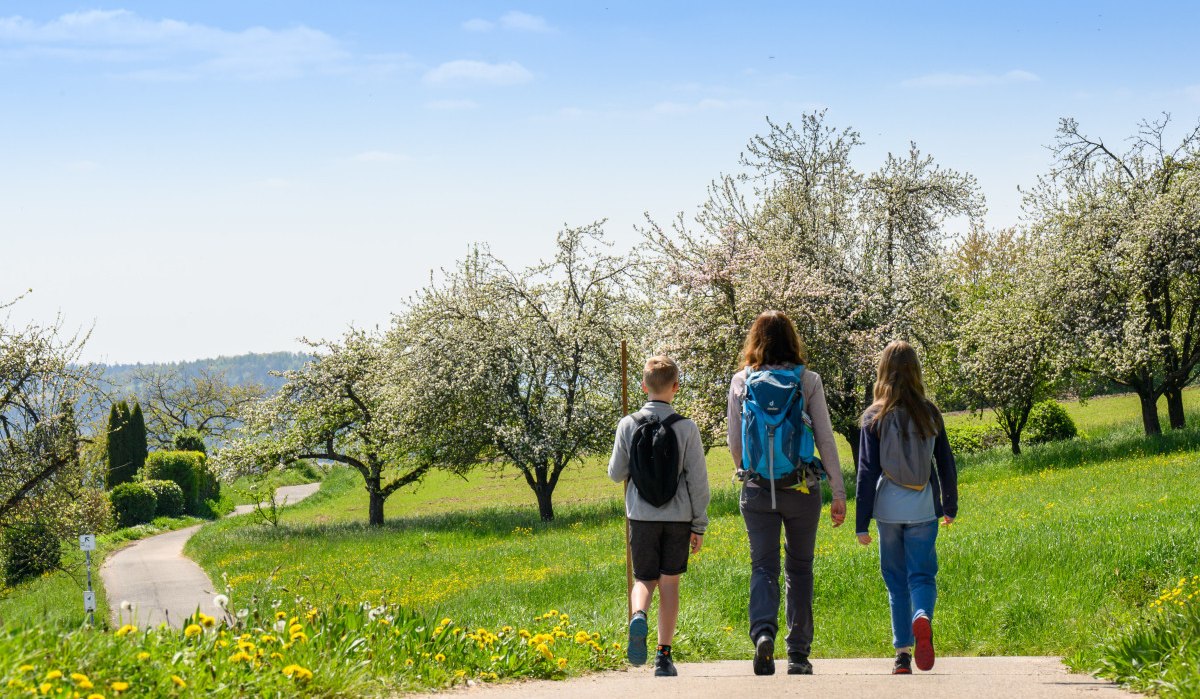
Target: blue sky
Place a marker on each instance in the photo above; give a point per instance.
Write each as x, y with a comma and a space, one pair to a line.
211, 178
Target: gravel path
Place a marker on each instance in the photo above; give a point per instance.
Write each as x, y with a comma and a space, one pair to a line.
976, 678
160, 582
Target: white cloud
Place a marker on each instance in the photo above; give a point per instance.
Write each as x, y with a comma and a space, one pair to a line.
379, 156
451, 105
512, 20
167, 49
938, 80
521, 21
478, 25
479, 72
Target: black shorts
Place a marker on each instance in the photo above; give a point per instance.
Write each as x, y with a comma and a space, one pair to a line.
659, 548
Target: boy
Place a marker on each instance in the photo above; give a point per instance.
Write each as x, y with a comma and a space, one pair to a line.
661, 537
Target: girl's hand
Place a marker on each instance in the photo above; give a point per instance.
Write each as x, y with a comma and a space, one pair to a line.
837, 512
949, 520
864, 539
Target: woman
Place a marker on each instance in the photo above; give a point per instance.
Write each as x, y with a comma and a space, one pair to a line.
773, 343
902, 437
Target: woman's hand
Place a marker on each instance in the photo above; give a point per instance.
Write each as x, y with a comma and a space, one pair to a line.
837, 512
864, 539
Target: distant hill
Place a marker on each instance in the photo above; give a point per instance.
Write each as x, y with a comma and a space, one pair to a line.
239, 369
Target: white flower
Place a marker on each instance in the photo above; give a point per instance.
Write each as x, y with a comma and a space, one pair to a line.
221, 601
127, 605
243, 613
280, 626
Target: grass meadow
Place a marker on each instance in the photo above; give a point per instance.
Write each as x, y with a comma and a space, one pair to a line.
1051, 549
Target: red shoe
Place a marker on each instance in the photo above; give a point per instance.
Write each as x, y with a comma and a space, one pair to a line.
923, 653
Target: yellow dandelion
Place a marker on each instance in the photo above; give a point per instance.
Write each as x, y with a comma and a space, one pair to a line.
545, 651
562, 663
178, 681
564, 618
280, 615
54, 675
207, 621
523, 633
277, 656
25, 668
408, 662
125, 630
45, 687
143, 656
444, 622
440, 658
95, 696
119, 686
299, 636
294, 628
297, 673
193, 630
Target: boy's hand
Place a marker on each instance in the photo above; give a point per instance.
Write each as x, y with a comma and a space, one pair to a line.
697, 542
837, 512
864, 539
949, 520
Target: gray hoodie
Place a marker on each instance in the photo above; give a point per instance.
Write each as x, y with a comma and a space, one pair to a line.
691, 499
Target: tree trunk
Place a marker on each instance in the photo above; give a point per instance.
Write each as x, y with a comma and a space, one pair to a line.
375, 509
852, 436
1150, 420
545, 506
1175, 408
1014, 436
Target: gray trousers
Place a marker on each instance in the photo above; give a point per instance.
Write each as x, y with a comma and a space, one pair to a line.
797, 515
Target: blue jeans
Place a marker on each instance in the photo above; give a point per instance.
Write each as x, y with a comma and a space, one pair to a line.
908, 560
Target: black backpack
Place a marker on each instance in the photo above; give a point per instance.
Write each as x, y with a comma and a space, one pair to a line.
654, 459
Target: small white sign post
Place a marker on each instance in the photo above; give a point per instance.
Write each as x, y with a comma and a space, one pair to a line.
87, 544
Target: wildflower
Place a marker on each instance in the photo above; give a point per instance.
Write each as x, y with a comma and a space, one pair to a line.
384, 622
143, 656
460, 674
281, 625
206, 620
192, 630
243, 613
54, 675
221, 601
240, 656
553, 612
95, 696
280, 615
564, 618
119, 686
523, 633
126, 605
178, 681
45, 687
440, 658
582, 637
126, 629
276, 656
299, 635
444, 622
297, 673
25, 668
562, 663
295, 628
545, 651
437, 632
408, 662
246, 645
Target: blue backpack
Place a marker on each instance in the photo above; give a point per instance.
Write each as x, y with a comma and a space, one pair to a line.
777, 436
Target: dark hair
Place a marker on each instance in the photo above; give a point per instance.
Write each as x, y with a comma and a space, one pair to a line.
773, 340
898, 383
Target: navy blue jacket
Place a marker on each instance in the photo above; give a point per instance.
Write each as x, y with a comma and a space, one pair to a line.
943, 478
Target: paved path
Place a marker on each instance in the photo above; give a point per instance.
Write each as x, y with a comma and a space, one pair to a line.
160, 582
976, 678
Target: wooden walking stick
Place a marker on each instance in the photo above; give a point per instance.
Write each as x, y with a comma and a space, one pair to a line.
628, 553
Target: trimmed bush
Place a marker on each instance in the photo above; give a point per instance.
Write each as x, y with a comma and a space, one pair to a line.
972, 439
168, 497
133, 504
1050, 422
181, 467
207, 483
33, 549
190, 440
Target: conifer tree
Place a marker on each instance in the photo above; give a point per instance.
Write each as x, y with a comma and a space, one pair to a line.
119, 457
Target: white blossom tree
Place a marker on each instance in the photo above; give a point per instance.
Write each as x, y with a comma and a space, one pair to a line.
205, 402
848, 255
353, 404
527, 361
1126, 230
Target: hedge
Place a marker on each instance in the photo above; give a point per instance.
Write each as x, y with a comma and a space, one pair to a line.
168, 496
133, 504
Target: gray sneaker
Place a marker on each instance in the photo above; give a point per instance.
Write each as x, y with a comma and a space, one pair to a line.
663, 665
635, 651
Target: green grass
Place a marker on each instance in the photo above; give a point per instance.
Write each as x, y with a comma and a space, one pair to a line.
55, 600
1098, 415
1049, 548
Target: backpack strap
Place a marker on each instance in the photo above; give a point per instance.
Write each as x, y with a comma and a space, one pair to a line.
672, 419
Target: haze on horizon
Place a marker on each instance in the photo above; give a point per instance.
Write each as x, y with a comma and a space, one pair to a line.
203, 180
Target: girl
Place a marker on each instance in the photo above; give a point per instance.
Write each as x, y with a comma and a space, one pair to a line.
773, 343
902, 433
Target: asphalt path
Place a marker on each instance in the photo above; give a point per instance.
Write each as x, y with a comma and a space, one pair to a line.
151, 582
975, 678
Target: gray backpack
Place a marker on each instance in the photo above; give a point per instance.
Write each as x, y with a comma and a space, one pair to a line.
905, 455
